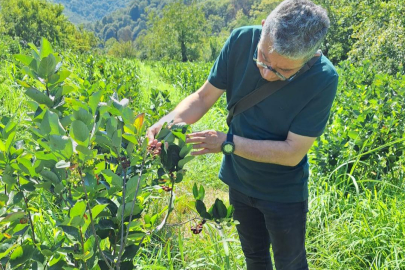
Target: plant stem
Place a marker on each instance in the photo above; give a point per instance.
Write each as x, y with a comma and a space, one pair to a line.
30, 219
163, 223
182, 223
122, 244
29, 213
82, 242
133, 205
92, 222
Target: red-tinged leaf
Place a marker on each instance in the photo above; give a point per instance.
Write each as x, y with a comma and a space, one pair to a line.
138, 123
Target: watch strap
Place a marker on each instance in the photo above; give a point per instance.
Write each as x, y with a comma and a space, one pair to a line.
229, 137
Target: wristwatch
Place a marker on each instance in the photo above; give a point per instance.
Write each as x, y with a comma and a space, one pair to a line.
228, 147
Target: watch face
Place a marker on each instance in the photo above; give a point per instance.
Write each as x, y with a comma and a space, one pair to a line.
228, 148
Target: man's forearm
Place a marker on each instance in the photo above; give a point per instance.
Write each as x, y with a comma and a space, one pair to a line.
193, 107
189, 111
266, 151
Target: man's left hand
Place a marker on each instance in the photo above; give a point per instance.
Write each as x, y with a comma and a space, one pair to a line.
209, 141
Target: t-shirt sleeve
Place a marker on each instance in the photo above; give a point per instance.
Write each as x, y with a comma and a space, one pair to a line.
312, 120
218, 75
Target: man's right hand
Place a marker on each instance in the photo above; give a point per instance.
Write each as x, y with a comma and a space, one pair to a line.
154, 145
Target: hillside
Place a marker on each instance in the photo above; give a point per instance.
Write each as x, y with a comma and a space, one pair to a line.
85, 11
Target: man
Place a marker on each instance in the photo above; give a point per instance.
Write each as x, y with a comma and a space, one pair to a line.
266, 164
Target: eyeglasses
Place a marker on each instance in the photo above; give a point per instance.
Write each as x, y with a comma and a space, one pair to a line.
281, 76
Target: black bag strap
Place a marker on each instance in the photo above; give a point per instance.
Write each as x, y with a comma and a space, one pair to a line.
262, 92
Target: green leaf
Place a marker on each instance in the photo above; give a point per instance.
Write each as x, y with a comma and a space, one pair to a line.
353, 135
79, 132
50, 124
59, 77
50, 176
219, 210
110, 205
201, 193
18, 197
9, 179
9, 141
91, 182
25, 59
47, 66
3, 197
106, 224
26, 254
201, 209
103, 140
61, 145
83, 115
5, 249
25, 164
131, 138
96, 210
162, 134
185, 160
195, 191
18, 252
230, 211
89, 244
185, 150
117, 139
9, 129
127, 211
12, 217
111, 126
72, 231
112, 178
171, 158
39, 97
46, 48
94, 100
28, 187
130, 252
179, 135
78, 209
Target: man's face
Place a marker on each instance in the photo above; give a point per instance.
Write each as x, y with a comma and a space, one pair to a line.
276, 63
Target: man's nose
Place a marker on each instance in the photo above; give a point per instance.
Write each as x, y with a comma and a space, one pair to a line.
268, 74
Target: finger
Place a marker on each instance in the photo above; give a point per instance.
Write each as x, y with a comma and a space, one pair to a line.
196, 140
195, 134
201, 152
199, 146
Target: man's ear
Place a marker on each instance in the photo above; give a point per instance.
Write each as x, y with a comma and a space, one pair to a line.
263, 21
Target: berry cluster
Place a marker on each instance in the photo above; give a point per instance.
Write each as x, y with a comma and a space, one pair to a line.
198, 228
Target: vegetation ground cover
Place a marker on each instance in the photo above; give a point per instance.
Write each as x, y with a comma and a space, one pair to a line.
357, 198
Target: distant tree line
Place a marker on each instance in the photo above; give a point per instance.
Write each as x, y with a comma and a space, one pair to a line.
30, 20
187, 30
86, 11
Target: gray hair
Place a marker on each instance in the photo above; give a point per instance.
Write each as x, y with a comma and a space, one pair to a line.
296, 28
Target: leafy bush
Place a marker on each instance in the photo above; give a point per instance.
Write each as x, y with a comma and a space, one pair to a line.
77, 192
363, 143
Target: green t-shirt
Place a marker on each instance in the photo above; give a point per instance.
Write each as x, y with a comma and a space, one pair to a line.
302, 107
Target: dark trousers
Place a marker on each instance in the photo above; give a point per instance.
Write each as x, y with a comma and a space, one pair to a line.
262, 223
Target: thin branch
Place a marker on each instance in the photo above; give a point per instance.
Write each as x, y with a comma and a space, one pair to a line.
163, 223
92, 222
182, 223
133, 204
122, 244
29, 212
82, 242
